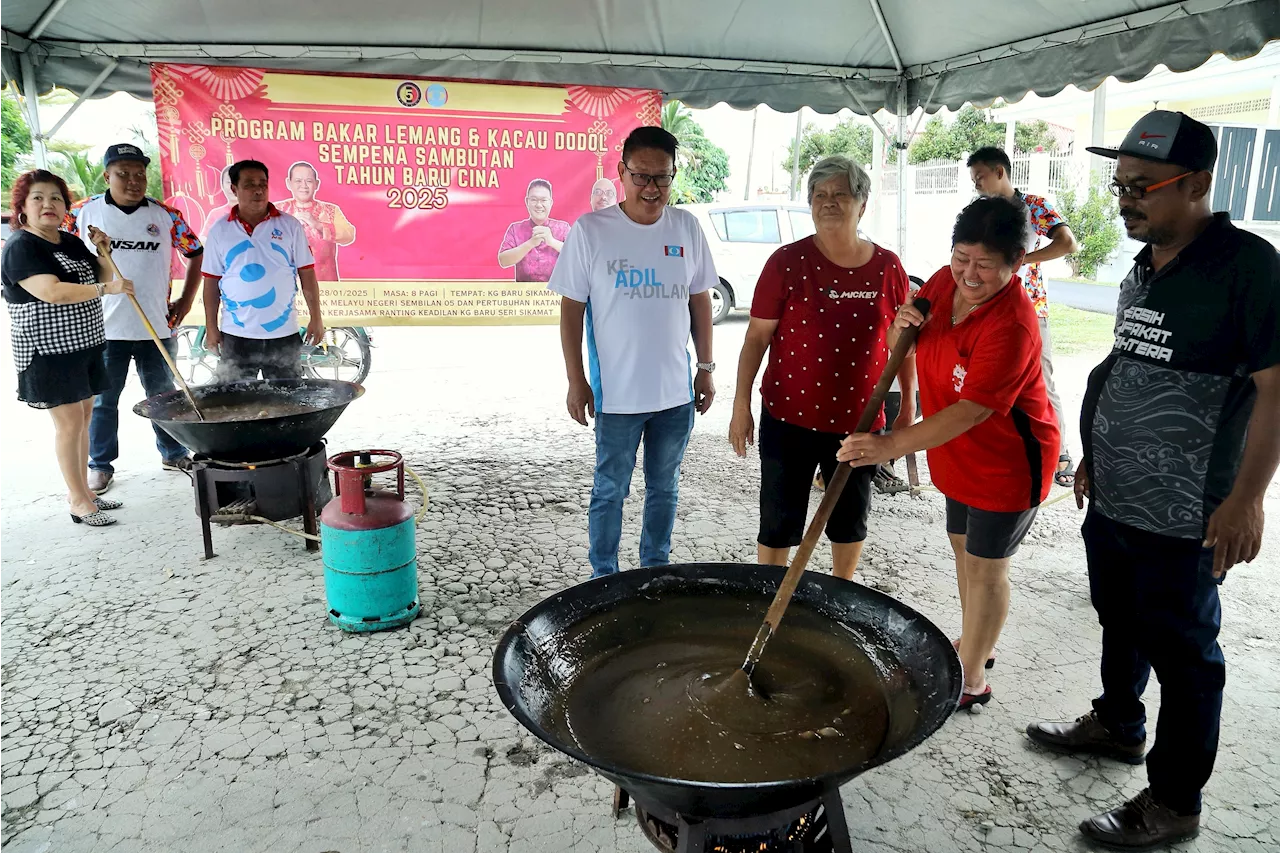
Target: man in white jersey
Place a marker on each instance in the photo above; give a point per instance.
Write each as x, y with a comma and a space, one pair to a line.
144, 234
254, 259
638, 274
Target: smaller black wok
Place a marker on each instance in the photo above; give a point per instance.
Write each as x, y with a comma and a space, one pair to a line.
281, 416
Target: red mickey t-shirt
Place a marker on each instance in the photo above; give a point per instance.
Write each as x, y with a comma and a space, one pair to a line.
992, 357
830, 346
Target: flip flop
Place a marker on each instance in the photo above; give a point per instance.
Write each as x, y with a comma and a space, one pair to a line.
969, 700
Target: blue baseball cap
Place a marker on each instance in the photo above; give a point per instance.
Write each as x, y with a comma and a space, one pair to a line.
124, 151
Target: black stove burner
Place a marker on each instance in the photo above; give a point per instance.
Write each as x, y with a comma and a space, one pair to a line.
815, 827
229, 492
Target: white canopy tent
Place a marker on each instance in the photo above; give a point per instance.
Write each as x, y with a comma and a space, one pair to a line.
865, 55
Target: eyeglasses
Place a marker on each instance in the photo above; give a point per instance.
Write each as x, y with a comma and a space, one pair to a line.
641, 180
1121, 190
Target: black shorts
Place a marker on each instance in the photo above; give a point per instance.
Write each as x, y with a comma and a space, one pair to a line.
789, 457
987, 534
57, 379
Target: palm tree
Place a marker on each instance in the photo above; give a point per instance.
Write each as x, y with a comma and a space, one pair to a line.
678, 121
82, 171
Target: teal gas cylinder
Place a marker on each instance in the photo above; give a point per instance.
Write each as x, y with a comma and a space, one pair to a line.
367, 536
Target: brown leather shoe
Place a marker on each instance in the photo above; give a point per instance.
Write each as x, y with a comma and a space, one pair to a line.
1140, 824
99, 481
1086, 734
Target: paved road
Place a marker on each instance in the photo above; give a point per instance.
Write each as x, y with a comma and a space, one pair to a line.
1086, 297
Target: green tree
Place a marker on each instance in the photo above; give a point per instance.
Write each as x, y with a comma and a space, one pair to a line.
1094, 224
848, 137
935, 142
706, 172
971, 130
1030, 135
155, 184
16, 139
83, 173
702, 166
678, 121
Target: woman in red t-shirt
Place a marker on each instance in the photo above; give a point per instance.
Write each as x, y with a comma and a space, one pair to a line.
991, 433
822, 309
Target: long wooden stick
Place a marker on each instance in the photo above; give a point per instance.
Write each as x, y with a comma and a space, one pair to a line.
829, 498
164, 351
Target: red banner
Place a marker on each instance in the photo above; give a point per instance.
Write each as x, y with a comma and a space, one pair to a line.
424, 201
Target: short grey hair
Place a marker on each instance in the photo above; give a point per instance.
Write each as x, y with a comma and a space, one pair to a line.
835, 166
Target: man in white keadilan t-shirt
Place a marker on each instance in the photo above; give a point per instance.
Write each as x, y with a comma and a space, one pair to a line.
144, 234
637, 275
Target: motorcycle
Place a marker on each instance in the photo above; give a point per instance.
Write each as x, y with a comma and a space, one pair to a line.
345, 354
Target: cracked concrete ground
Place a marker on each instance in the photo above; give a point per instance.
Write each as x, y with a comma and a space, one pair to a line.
156, 702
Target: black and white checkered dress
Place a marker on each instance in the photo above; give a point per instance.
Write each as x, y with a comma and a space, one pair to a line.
57, 349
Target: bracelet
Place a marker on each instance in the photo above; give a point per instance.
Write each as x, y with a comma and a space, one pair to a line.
102, 289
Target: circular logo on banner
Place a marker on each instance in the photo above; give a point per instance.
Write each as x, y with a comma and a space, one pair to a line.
408, 94
437, 95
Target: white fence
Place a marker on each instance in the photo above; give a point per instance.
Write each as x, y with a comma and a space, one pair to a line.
1043, 174
937, 190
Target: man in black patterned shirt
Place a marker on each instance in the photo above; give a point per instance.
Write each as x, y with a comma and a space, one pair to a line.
1181, 433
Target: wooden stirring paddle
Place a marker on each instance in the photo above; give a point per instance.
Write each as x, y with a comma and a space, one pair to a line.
106, 253
832, 494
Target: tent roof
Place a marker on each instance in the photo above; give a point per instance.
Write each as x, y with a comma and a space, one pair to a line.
865, 55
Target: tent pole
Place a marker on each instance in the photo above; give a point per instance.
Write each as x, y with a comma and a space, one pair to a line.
901, 146
46, 19
888, 37
795, 156
751, 152
84, 96
32, 98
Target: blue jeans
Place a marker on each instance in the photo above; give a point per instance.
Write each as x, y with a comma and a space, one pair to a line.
104, 425
1158, 605
665, 435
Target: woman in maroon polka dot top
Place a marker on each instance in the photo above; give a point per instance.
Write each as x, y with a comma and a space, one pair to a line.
822, 310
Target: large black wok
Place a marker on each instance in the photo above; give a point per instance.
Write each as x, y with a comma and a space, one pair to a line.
253, 439
541, 653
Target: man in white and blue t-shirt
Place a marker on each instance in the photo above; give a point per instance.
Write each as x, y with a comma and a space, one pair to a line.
254, 259
638, 274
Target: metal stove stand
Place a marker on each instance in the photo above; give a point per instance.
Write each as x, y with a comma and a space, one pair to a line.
229, 492
815, 827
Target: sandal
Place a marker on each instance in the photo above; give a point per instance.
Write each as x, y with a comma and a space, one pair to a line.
97, 519
969, 700
106, 503
1067, 476
991, 661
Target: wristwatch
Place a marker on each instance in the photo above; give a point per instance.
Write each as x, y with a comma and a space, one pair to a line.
709, 366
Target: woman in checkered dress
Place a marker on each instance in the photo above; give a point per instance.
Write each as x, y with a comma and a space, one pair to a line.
53, 287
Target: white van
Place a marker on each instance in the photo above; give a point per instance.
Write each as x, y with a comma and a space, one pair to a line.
742, 236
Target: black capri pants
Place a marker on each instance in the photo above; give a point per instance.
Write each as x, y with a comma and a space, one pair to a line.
789, 456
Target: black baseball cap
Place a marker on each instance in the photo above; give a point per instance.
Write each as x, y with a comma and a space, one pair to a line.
124, 151
1168, 137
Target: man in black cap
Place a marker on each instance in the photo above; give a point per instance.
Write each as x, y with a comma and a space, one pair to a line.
144, 233
1181, 434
